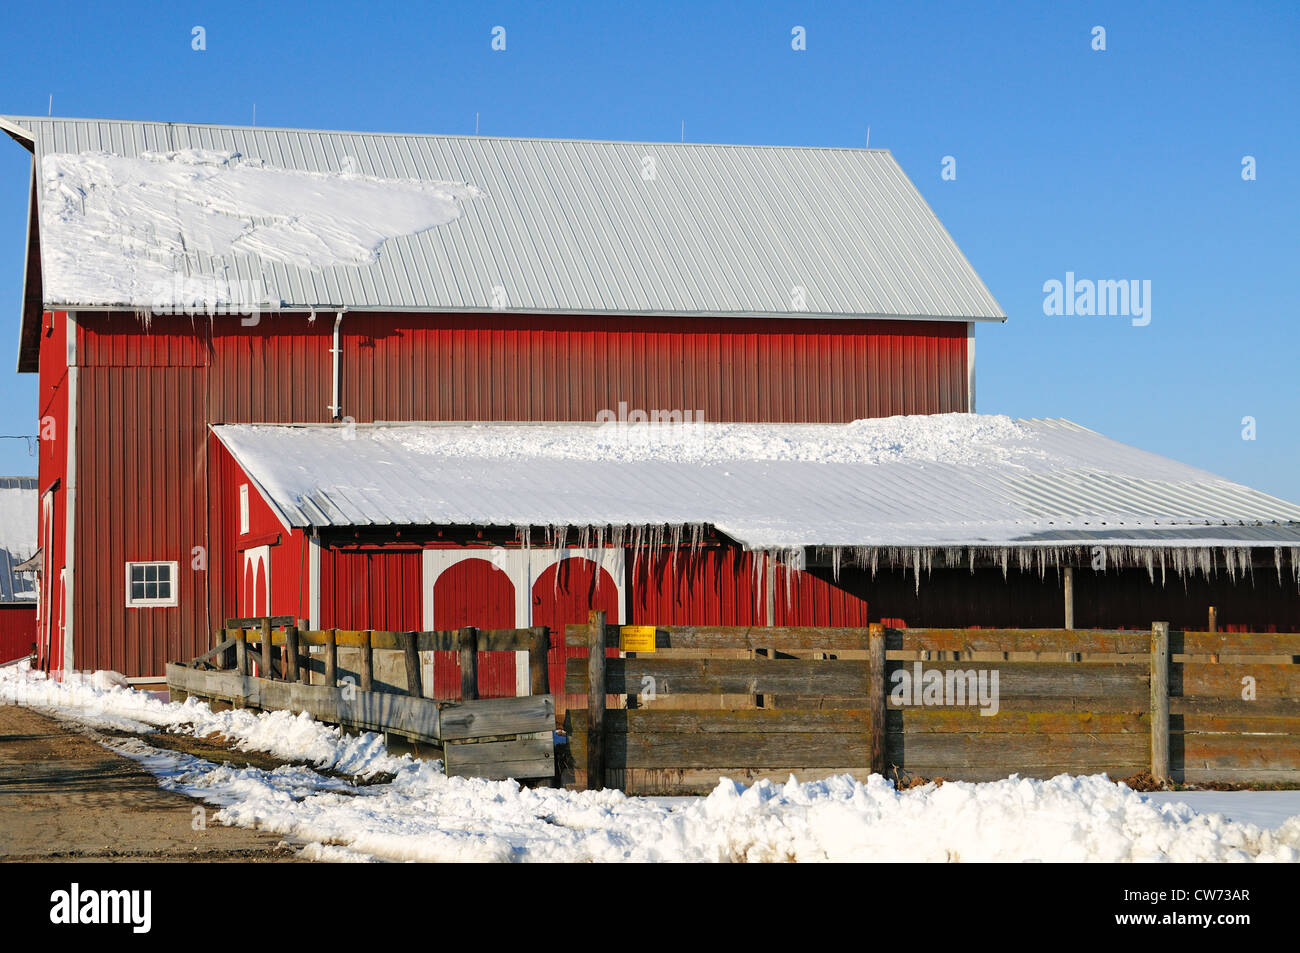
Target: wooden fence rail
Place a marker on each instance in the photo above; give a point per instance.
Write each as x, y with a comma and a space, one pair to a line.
489, 738
751, 702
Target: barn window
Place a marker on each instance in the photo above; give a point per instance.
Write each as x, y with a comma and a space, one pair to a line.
151, 584
243, 508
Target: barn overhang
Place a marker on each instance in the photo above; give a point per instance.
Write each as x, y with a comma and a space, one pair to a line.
940, 490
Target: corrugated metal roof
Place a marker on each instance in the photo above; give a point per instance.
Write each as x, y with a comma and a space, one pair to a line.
573, 226
935, 481
18, 508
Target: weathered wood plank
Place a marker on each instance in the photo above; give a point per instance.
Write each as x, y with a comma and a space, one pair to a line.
748, 638
460, 753
597, 679
1086, 641
1009, 753
468, 659
682, 750
1226, 679
676, 782
877, 690
851, 677
496, 716
943, 720
1239, 752
752, 720
1160, 701
1235, 643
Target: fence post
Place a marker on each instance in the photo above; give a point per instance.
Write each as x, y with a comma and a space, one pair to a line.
539, 676
291, 641
241, 652
367, 663
332, 658
1160, 701
876, 646
1214, 620
1069, 596
596, 700
267, 671
468, 638
411, 652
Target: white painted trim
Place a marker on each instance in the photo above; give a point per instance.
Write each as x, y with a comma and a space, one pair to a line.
313, 580
970, 367
70, 518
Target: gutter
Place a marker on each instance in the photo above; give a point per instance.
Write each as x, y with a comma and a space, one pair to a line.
336, 406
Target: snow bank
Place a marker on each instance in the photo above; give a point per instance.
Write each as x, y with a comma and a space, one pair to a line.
118, 230
421, 814
96, 700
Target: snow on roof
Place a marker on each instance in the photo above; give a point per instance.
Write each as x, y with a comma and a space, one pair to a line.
18, 504
124, 230
949, 480
554, 225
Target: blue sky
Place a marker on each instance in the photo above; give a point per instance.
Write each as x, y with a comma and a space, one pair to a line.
1117, 164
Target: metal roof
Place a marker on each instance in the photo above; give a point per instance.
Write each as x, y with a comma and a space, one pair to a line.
18, 508
939, 481
574, 226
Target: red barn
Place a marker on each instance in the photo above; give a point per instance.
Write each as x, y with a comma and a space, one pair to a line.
186, 281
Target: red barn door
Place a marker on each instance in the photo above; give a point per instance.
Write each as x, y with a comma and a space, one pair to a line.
474, 592
564, 593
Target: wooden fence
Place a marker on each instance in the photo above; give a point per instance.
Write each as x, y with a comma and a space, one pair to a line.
747, 703
269, 663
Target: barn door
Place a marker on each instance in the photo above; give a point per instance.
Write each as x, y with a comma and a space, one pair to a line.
565, 592
477, 592
254, 591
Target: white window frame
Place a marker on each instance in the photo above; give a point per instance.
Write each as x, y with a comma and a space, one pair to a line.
243, 509
172, 567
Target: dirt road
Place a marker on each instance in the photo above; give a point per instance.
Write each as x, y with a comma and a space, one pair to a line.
64, 797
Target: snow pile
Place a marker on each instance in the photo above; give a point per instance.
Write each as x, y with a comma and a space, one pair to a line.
119, 230
421, 814
98, 700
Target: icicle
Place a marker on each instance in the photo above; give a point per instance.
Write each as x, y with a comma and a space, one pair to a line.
1277, 562
837, 554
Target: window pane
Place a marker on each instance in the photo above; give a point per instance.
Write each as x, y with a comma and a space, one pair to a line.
137, 590
151, 590
164, 573
137, 574
150, 573
164, 590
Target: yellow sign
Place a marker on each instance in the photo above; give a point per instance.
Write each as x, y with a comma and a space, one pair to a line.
636, 638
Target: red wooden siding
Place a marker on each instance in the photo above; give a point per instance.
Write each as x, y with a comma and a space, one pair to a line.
371, 589
718, 586
17, 631
474, 592
519, 367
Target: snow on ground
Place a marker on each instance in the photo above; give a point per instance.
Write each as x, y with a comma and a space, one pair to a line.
125, 230
421, 814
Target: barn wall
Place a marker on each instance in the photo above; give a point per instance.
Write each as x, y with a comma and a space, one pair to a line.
517, 367
371, 589
52, 403
147, 395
